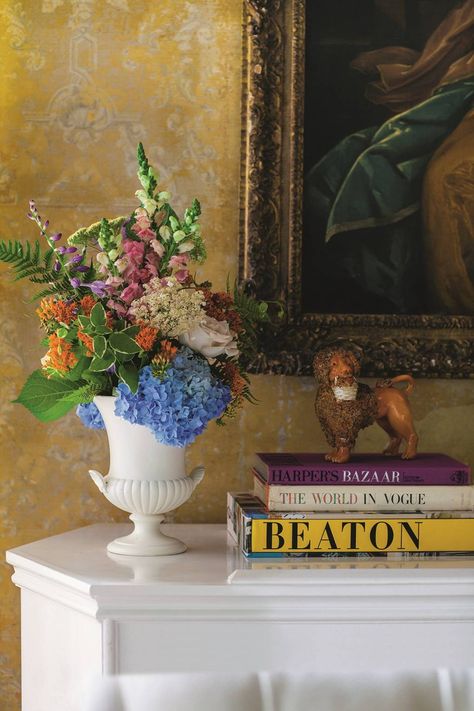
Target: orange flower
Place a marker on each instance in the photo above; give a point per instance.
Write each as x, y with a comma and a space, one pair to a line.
146, 337
87, 304
59, 311
59, 356
162, 361
231, 375
88, 342
168, 351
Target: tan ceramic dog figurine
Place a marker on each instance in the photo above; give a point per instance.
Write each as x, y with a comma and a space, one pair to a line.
344, 406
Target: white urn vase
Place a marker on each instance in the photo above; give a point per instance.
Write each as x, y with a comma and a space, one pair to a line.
147, 479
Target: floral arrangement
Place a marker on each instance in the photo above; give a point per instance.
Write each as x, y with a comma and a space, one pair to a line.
123, 315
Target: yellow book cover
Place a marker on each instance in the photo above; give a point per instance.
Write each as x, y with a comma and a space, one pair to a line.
361, 535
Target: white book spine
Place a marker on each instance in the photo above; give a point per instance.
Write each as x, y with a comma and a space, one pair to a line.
367, 498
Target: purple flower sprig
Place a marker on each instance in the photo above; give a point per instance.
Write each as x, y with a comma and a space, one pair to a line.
51, 239
68, 261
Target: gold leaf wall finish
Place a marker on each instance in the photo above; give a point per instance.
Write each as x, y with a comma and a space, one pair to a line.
82, 82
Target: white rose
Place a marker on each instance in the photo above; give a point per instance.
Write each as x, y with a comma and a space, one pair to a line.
211, 338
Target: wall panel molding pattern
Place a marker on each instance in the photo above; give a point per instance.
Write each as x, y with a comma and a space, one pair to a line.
82, 82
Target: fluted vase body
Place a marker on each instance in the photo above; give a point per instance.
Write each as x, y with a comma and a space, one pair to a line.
145, 478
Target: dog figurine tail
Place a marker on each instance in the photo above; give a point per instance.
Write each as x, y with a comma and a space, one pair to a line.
398, 379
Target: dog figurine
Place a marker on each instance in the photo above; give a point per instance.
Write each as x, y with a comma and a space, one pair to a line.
344, 406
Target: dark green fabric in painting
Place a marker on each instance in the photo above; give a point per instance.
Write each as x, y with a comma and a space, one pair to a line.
373, 178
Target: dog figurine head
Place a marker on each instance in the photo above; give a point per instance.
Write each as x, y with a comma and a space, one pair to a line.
336, 367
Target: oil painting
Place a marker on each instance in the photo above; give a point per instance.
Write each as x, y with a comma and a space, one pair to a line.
357, 184
389, 171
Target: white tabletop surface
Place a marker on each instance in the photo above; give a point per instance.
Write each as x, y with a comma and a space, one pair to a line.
79, 559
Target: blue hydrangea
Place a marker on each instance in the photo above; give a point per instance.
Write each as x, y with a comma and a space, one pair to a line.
90, 416
177, 407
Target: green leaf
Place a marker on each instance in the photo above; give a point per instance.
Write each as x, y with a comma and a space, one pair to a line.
61, 332
129, 374
102, 329
100, 346
131, 331
99, 364
98, 317
99, 379
123, 357
47, 398
123, 344
84, 322
77, 372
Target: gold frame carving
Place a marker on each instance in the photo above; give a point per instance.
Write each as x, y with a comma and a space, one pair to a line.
271, 230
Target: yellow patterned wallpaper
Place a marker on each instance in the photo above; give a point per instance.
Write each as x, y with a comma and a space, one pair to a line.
82, 82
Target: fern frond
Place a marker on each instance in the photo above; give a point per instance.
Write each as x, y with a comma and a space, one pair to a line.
36, 256
59, 288
19, 255
52, 291
32, 272
48, 258
43, 278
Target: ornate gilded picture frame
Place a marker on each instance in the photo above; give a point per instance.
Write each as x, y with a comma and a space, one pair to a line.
434, 344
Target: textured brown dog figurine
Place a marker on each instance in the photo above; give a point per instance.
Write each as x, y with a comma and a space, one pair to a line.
344, 406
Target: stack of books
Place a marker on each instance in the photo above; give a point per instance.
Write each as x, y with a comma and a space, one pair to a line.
303, 505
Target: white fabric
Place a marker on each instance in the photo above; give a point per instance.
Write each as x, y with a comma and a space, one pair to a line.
437, 690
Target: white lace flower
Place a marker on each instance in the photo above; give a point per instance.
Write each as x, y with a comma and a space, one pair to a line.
168, 306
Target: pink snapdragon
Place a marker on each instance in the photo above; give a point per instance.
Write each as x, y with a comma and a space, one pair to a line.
181, 275
181, 261
152, 261
119, 308
135, 251
131, 292
142, 226
135, 254
157, 247
178, 260
114, 282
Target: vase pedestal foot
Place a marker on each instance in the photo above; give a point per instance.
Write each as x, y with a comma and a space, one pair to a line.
146, 539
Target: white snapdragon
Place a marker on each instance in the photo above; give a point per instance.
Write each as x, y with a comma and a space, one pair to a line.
157, 247
185, 246
103, 258
165, 232
148, 203
121, 264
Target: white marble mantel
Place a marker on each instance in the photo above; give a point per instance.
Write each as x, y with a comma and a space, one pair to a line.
90, 612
